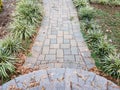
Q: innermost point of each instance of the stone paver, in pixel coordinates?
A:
(59, 42)
(60, 79)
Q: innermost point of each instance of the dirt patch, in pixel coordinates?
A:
(5, 16)
(108, 8)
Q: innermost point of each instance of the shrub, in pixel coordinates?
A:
(22, 30)
(30, 11)
(6, 66)
(86, 13)
(12, 45)
(80, 3)
(111, 66)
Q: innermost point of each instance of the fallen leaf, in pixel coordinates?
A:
(43, 88)
(79, 75)
(60, 79)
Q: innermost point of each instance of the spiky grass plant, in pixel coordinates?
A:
(111, 66)
(94, 38)
(104, 49)
(6, 64)
(12, 45)
(80, 3)
(22, 30)
(86, 13)
(29, 10)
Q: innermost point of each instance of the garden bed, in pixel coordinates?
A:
(24, 24)
(107, 2)
(100, 28)
(5, 16)
(109, 20)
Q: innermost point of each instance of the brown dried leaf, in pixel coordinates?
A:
(79, 75)
(43, 88)
(60, 79)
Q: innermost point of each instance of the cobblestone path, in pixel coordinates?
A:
(59, 42)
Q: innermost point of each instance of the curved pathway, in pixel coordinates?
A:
(59, 42)
(60, 79)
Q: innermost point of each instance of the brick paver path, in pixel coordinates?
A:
(59, 42)
(60, 45)
(60, 79)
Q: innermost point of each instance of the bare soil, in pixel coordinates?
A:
(5, 16)
(109, 8)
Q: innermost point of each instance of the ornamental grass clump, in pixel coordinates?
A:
(89, 25)
(6, 63)
(29, 10)
(104, 49)
(12, 45)
(101, 50)
(111, 66)
(80, 3)
(27, 16)
(22, 30)
(86, 13)
(93, 38)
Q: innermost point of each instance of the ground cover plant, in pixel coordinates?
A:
(102, 50)
(27, 17)
(108, 18)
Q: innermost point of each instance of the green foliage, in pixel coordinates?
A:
(109, 19)
(12, 45)
(22, 30)
(86, 13)
(94, 38)
(29, 10)
(6, 64)
(104, 49)
(89, 25)
(27, 17)
(80, 3)
(111, 66)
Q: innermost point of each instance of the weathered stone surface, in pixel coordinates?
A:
(9, 85)
(50, 57)
(60, 53)
(60, 79)
(69, 57)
